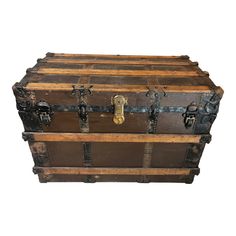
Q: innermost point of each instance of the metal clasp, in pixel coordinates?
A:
(44, 112)
(81, 94)
(190, 115)
(119, 101)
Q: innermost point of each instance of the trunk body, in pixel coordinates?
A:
(116, 118)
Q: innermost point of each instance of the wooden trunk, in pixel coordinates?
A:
(116, 118)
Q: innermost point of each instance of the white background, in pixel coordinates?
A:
(205, 30)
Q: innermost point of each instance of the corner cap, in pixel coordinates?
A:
(27, 136)
(50, 54)
(206, 73)
(219, 91)
(184, 57)
(40, 60)
(205, 138)
(195, 171)
(37, 170)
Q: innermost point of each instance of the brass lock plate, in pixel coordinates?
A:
(119, 102)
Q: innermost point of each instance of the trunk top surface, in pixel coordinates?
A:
(62, 71)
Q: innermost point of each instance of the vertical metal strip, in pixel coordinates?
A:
(81, 95)
(154, 97)
(147, 159)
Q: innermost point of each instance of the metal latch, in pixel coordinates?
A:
(83, 114)
(119, 101)
(190, 115)
(44, 112)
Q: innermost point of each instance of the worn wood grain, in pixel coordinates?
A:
(119, 88)
(62, 71)
(113, 171)
(116, 62)
(114, 56)
(114, 137)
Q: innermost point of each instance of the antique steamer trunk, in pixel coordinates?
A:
(97, 118)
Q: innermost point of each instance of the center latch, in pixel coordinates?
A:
(119, 102)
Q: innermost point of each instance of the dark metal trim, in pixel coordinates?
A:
(195, 171)
(207, 112)
(44, 112)
(37, 170)
(87, 154)
(110, 109)
(20, 91)
(27, 136)
(204, 117)
(205, 138)
(190, 115)
(184, 57)
(50, 54)
(40, 158)
(81, 93)
(153, 113)
(194, 153)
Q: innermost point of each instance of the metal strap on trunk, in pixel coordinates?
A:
(81, 94)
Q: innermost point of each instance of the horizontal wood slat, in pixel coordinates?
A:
(115, 56)
(61, 71)
(114, 171)
(117, 62)
(112, 137)
(119, 88)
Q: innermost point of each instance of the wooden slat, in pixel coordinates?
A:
(60, 71)
(114, 56)
(118, 88)
(116, 62)
(112, 137)
(114, 171)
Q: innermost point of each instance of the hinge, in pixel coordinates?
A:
(154, 109)
(81, 94)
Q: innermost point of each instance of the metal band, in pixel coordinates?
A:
(81, 94)
(110, 109)
(151, 129)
